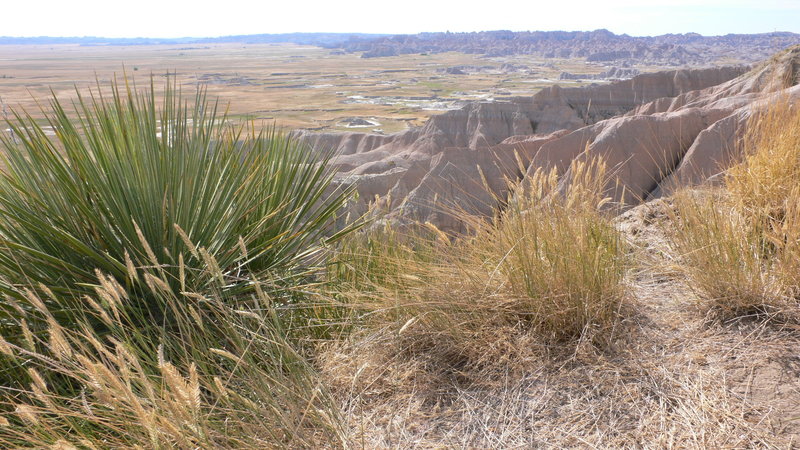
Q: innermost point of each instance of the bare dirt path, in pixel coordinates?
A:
(752, 366)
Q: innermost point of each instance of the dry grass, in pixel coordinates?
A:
(741, 244)
(558, 255)
(223, 375)
(550, 265)
(666, 380)
(765, 187)
(723, 255)
(447, 320)
(633, 400)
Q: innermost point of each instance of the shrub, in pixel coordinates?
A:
(562, 259)
(163, 185)
(723, 254)
(765, 188)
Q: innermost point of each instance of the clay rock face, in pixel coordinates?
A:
(344, 143)
(472, 181)
(679, 141)
(641, 150)
(614, 73)
(718, 146)
(482, 124)
(656, 132)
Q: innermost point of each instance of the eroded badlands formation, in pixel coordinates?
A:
(596, 46)
(657, 131)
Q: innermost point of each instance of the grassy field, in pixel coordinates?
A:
(295, 86)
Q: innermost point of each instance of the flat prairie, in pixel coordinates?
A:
(292, 85)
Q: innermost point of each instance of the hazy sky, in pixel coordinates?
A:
(176, 18)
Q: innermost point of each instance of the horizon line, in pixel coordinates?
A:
(345, 33)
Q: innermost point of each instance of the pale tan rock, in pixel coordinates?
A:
(472, 181)
(679, 141)
(655, 131)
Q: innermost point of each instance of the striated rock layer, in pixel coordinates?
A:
(657, 131)
(683, 140)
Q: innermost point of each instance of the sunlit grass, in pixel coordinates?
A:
(551, 266)
(741, 244)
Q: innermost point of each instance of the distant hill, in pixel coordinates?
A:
(320, 39)
(599, 46)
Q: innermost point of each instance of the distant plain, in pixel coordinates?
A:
(292, 85)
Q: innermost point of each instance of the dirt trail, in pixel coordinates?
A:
(754, 364)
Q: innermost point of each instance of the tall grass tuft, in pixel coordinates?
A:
(224, 377)
(723, 254)
(561, 258)
(131, 180)
(549, 267)
(741, 243)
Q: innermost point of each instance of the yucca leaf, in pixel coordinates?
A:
(123, 157)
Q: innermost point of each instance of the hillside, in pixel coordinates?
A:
(657, 131)
(319, 39)
(600, 46)
(607, 266)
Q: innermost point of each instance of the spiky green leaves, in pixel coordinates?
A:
(158, 182)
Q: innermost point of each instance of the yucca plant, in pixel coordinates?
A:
(158, 182)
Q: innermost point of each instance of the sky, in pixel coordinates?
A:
(205, 18)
